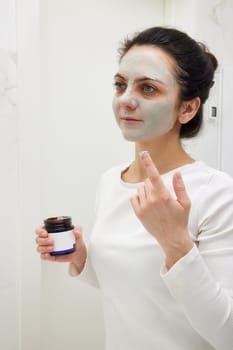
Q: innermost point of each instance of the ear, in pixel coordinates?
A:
(189, 109)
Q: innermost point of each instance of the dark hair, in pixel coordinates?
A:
(195, 66)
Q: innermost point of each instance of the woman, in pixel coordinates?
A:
(161, 252)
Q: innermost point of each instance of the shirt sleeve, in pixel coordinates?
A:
(202, 281)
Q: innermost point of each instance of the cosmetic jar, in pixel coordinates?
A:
(60, 229)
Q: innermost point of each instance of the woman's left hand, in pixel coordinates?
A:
(164, 216)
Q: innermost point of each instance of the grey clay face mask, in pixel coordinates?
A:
(155, 116)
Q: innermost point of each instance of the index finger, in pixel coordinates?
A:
(152, 171)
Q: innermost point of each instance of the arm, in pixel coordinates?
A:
(202, 282)
(200, 278)
(207, 304)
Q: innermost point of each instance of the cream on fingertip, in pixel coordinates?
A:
(144, 154)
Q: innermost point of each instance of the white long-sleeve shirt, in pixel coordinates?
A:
(189, 307)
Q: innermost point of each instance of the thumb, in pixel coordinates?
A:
(180, 191)
(78, 234)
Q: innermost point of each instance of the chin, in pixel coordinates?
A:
(142, 138)
(131, 138)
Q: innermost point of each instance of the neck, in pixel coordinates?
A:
(166, 153)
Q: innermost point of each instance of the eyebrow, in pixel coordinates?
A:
(140, 79)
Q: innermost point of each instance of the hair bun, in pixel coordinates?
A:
(213, 60)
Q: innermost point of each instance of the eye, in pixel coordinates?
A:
(119, 86)
(149, 88)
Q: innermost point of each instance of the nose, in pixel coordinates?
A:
(128, 102)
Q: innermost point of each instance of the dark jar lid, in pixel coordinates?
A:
(58, 224)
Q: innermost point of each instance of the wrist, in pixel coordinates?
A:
(79, 260)
(177, 252)
(80, 263)
(76, 268)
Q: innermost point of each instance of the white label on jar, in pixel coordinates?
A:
(63, 240)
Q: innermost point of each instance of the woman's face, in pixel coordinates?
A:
(146, 93)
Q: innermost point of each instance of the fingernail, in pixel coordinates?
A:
(144, 154)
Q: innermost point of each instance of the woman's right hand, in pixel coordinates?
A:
(45, 246)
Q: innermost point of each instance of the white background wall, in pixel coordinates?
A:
(63, 137)
(9, 241)
(29, 172)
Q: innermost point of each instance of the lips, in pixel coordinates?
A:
(130, 119)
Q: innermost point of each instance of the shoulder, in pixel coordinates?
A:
(212, 202)
(202, 177)
(217, 180)
(215, 194)
(208, 188)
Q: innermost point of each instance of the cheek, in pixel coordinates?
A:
(158, 109)
(115, 105)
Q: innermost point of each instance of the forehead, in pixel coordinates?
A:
(147, 61)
